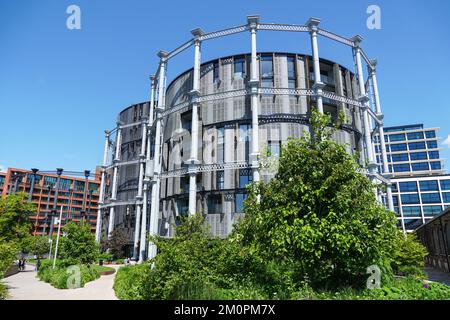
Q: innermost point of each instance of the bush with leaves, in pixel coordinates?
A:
(319, 213)
(408, 257)
(58, 277)
(79, 245)
(116, 243)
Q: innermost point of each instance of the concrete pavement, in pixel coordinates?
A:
(26, 286)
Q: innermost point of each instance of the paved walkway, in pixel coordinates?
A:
(26, 286)
(437, 275)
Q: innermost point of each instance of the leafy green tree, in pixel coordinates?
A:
(79, 245)
(408, 256)
(117, 243)
(40, 246)
(319, 214)
(14, 217)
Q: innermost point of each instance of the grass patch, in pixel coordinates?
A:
(102, 269)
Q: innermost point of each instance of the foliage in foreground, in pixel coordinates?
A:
(59, 276)
(314, 232)
(14, 228)
(79, 245)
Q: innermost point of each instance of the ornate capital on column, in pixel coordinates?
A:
(197, 33)
(312, 24)
(357, 40)
(363, 99)
(253, 22)
(194, 94)
(253, 85)
(373, 66)
(318, 86)
(107, 133)
(163, 55)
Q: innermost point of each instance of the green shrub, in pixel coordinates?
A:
(58, 277)
(3, 291)
(131, 282)
(408, 255)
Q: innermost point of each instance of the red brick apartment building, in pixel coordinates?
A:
(78, 199)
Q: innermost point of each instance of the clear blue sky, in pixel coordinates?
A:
(60, 88)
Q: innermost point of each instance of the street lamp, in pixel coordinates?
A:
(33, 180)
(47, 208)
(83, 208)
(59, 172)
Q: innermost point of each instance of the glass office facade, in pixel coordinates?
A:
(419, 183)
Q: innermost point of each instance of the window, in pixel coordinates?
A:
(408, 186)
(274, 148)
(397, 137)
(432, 144)
(220, 180)
(398, 147)
(415, 135)
(431, 210)
(436, 165)
(79, 185)
(445, 184)
(446, 197)
(400, 157)
(430, 134)
(291, 73)
(244, 132)
(245, 177)
(421, 166)
(401, 167)
(431, 197)
(416, 145)
(214, 203)
(433, 154)
(49, 181)
(220, 145)
(395, 200)
(394, 187)
(377, 149)
(64, 184)
(428, 185)
(215, 71)
(418, 156)
(239, 202)
(266, 71)
(410, 198)
(412, 211)
(239, 68)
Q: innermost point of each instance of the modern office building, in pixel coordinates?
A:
(75, 192)
(197, 143)
(420, 185)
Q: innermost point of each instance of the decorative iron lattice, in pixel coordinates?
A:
(338, 98)
(223, 95)
(287, 91)
(176, 108)
(282, 27)
(120, 164)
(138, 123)
(120, 203)
(222, 166)
(223, 33)
(173, 173)
(180, 49)
(335, 37)
(283, 117)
